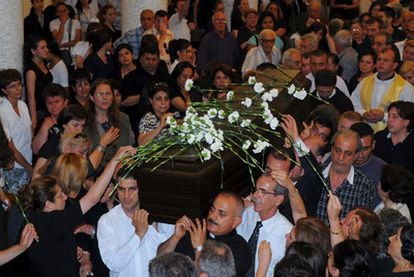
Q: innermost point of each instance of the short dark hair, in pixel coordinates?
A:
(79, 74)
(99, 38)
(293, 266)
(318, 53)
(406, 111)
(172, 264)
(7, 76)
(392, 220)
(311, 253)
(156, 87)
(325, 78)
(398, 182)
(284, 154)
(350, 256)
(325, 115)
(71, 112)
(52, 90)
(368, 52)
(363, 129)
(160, 13)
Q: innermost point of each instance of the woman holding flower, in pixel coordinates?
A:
(181, 97)
(153, 122)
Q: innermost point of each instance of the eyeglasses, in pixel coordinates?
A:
(267, 40)
(104, 93)
(264, 192)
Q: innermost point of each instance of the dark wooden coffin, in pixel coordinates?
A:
(186, 186)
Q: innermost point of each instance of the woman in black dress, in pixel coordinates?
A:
(37, 76)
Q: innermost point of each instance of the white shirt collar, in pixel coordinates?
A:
(349, 178)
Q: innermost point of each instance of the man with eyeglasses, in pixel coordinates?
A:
(263, 222)
(266, 52)
(218, 46)
(375, 92)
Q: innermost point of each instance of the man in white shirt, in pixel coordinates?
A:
(126, 242)
(266, 52)
(177, 23)
(266, 200)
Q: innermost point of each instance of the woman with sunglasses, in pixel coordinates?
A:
(153, 122)
(103, 116)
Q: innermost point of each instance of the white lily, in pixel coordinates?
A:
(300, 94)
(274, 123)
(233, 117)
(291, 89)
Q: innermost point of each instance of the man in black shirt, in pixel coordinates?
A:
(224, 216)
(326, 91)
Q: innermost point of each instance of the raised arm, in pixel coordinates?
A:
(296, 201)
(96, 191)
(181, 226)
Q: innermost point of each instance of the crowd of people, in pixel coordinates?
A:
(336, 197)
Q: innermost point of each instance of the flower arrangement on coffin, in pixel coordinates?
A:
(240, 124)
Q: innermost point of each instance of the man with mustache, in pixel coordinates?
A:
(224, 216)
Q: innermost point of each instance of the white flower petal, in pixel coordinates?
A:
(247, 102)
(291, 89)
(188, 84)
(258, 87)
(246, 144)
(274, 123)
(274, 92)
(205, 154)
(252, 80)
(300, 94)
(230, 95)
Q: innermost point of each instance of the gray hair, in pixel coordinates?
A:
(267, 31)
(312, 38)
(172, 265)
(343, 38)
(216, 260)
(349, 134)
(287, 55)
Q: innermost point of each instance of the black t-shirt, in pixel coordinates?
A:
(42, 80)
(99, 69)
(55, 253)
